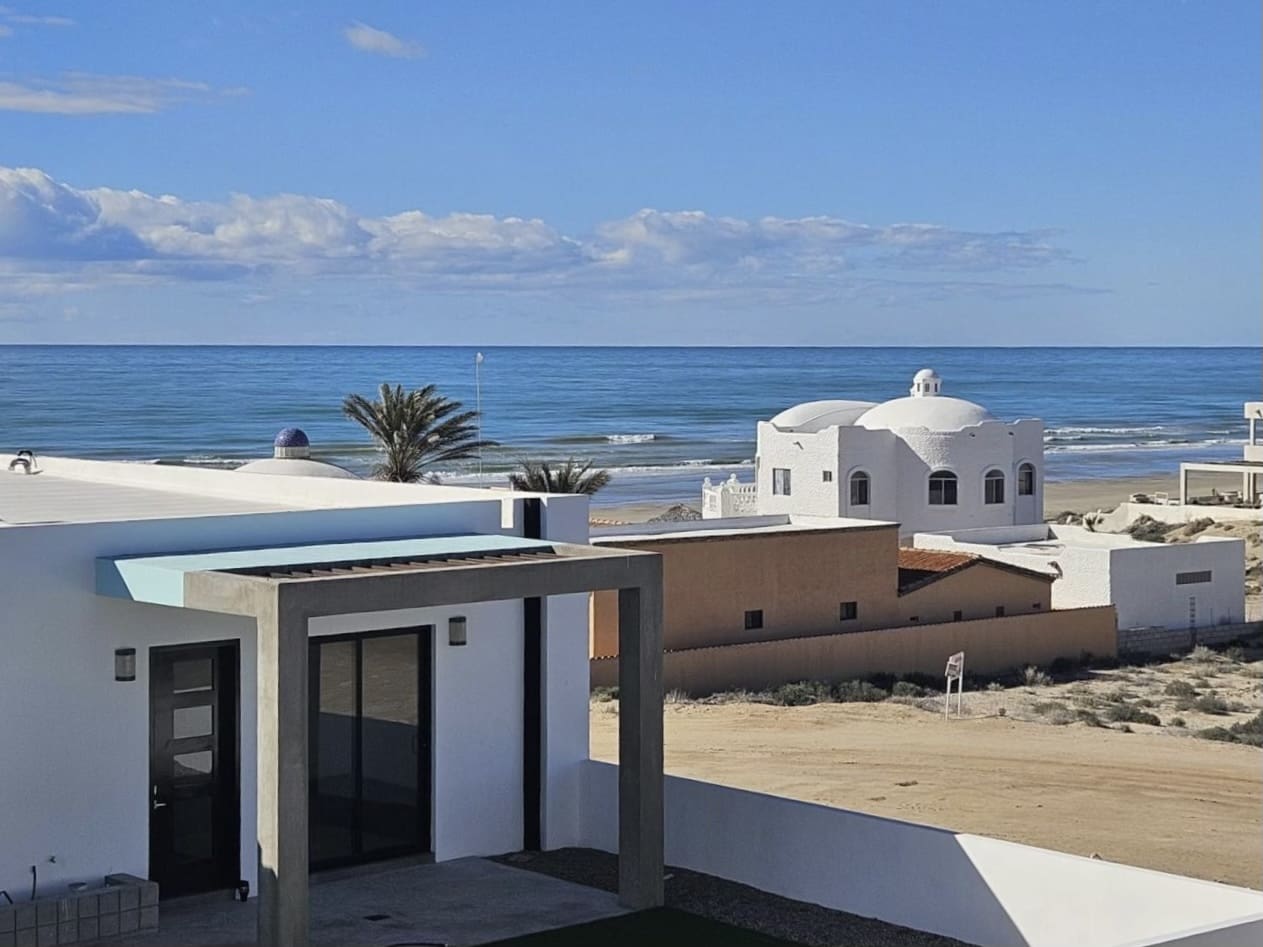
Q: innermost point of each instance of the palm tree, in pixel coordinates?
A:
(539, 476)
(414, 429)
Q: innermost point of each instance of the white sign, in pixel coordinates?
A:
(955, 665)
(955, 672)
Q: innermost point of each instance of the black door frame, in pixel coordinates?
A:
(425, 733)
(226, 871)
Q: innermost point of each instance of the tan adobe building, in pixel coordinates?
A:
(774, 577)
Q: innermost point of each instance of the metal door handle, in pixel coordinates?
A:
(156, 804)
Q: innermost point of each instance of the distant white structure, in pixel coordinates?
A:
(928, 461)
(1151, 585)
(291, 457)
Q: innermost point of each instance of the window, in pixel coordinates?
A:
(1192, 578)
(942, 488)
(826, 476)
(754, 619)
(1026, 480)
(999, 611)
(848, 611)
(1037, 605)
(859, 489)
(780, 481)
(993, 487)
(915, 618)
(958, 616)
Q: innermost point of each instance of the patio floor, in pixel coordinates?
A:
(468, 901)
(657, 926)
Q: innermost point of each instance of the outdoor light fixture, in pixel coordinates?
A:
(456, 630)
(124, 664)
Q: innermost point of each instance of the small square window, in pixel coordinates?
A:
(780, 482)
(958, 616)
(754, 619)
(826, 476)
(915, 618)
(848, 611)
(1036, 605)
(999, 611)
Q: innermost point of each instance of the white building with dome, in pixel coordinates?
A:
(928, 461)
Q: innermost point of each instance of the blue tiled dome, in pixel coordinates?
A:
(291, 437)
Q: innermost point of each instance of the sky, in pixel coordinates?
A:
(898, 172)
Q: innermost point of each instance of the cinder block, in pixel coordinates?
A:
(149, 918)
(87, 905)
(25, 937)
(107, 902)
(67, 909)
(8, 918)
(108, 925)
(128, 921)
(7, 938)
(25, 916)
(46, 912)
(148, 894)
(123, 878)
(67, 932)
(47, 935)
(129, 898)
(88, 928)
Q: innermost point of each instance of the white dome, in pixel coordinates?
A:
(936, 414)
(813, 416)
(296, 467)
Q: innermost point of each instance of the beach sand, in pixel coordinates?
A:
(1079, 496)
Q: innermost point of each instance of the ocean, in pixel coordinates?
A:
(660, 419)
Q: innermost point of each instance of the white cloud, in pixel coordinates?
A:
(49, 227)
(32, 19)
(79, 93)
(368, 39)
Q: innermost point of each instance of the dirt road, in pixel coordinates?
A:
(1176, 804)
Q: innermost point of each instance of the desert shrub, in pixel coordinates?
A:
(882, 679)
(1119, 694)
(1144, 702)
(801, 693)
(1176, 722)
(1047, 706)
(859, 692)
(1237, 707)
(1211, 704)
(1198, 526)
(603, 694)
(1148, 530)
(928, 682)
(1217, 733)
(995, 686)
(1235, 654)
(1104, 662)
(1203, 655)
(1088, 717)
(675, 696)
(1130, 713)
(1180, 689)
(907, 689)
(1034, 677)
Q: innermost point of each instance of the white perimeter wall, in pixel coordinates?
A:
(74, 743)
(980, 890)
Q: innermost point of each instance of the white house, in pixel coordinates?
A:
(927, 461)
(1152, 585)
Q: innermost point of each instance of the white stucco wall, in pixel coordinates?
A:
(74, 744)
(980, 890)
(806, 455)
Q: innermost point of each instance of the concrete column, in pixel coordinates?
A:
(1183, 485)
(640, 817)
(282, 775)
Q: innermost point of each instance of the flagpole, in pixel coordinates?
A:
(478, 397)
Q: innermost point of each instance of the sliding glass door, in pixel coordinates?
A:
(369, 746)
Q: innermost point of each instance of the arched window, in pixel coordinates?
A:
(859, 489)
(993, 487)
(942, 488)
(1026, 480)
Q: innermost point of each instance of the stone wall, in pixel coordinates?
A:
(1161, 641)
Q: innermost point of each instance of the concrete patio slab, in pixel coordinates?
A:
(467, 901)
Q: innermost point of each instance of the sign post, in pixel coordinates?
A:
(955, 672)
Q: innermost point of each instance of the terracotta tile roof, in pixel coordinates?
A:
(929, 560)
(920, 567)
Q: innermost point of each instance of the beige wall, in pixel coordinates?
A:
(798, 578)
(976, 591)
(991, 645)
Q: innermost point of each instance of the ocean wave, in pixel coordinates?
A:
(700, 466)
(1165, 444)
(630, 438)
(1105, 430)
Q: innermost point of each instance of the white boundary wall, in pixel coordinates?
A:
(980, 890)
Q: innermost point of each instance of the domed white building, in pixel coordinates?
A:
(927, 461)
(291, 457)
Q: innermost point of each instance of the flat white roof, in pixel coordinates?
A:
(729, 526)
(68, 490)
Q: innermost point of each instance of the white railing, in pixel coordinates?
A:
(731, 497)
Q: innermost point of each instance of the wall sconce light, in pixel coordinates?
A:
(124, 664)
(456, 626)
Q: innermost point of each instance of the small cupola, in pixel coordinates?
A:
(291, 443)
(926, 384)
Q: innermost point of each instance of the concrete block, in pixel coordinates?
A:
(148, 894)
(25, 937)
(25, 916)
(123, 878)
(8, 918)
(89, 929)
(128, 921)
(46, 935)
(128, 898)
(67, 932)
(108, 925)
(7, 938)
(46, 912)
(107, 902)
(87, 905)
(67, 909)
(149, 918)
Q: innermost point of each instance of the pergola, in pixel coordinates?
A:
(1250, 471)
(282, 589)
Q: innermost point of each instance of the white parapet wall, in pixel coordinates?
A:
(980, 890)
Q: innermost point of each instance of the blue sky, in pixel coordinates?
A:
(640, 173)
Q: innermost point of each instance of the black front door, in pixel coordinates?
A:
(194, 804)
(369, 751)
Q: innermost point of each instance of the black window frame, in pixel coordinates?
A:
(826, 476)
(943, 480)
(753, 619)
(989, 479)
(1026, 480)
(958, 615)
(848, 611)
(861, 479)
